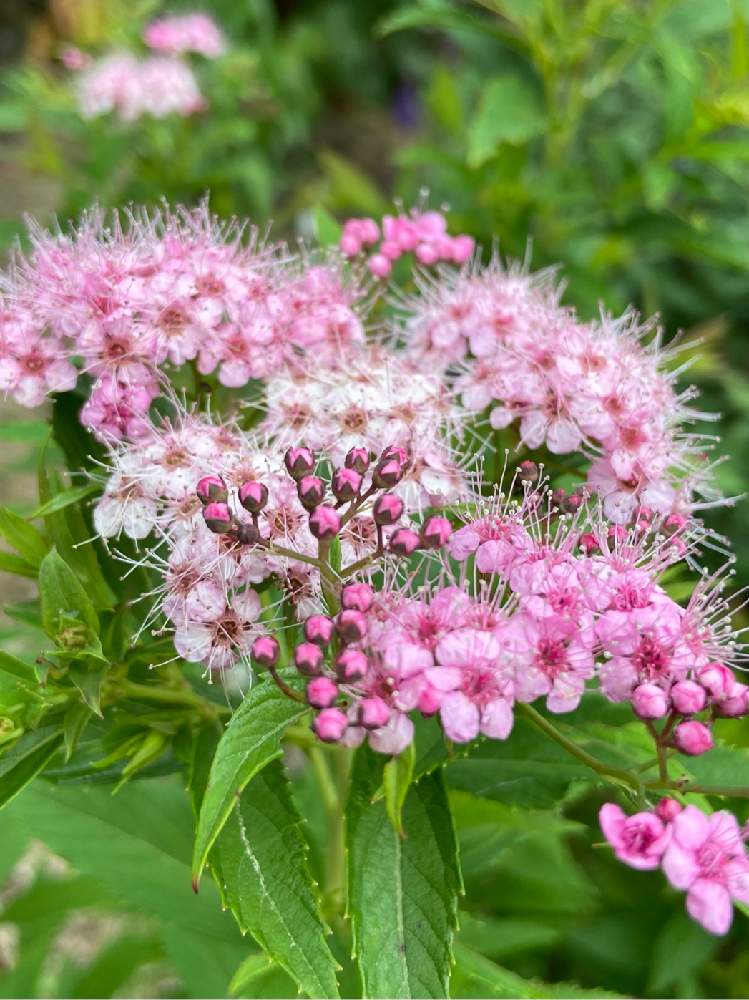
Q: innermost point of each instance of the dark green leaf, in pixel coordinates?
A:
(26, 759)
(68, 616)
(510, 110)
(396, 781)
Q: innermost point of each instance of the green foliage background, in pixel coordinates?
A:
(611, 136)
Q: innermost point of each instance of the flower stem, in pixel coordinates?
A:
(170, 696)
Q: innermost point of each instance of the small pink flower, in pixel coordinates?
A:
(318, 629)
(330, 725)
(639, 841)
(650, 701)
(404, 541)
(308, 659)
(357, 597)
(436, 532)
(373, 713)
(693, 738)
(688, 697)
(706, 857)
(265, 650)
(324, 523)
(321, 692)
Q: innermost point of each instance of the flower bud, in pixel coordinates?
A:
(247, 534)
(387, 473)
(673, 524)
(357, 597)
(346, 484)
(322, 692)
(572, 503)
(211, 488)
(324, 523)
(330, 725)
(693, 738)
(387, 509)
(649, 701)
(435, 532)
(311, 490)
(308, 659)
(667, 809)
(351, 626)
(265, 650)
(404, 542)
(461, 248)
(349, 245)
(429, 701)
(373, 713)
(717, 680)
(357, 459)
(394, 451)
(318, 629)
(218, 517)
(351, 666)
(379, 265)
(299, 462)
(529, 472)
(736, 704)
(589, 543)
(253, 496)
(688, 697)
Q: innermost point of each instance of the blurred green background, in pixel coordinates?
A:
(610, 136)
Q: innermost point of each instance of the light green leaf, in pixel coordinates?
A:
(402, 893)
(251, 740)
(256, 977)
(327, 229)
(75, 721)
(23, 537)
(396, 781)
(64, 499)
(509, 110)
(68, 616)
(16, 565)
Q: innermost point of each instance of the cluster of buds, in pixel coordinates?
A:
(713, 689)
(423, 234)
(333, 663)
(329, 505)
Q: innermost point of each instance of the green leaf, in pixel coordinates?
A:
(327, 229)
(75, 721)
(402, 893)
(724, 766)
(68, 616)
(26, 759)
(256, 977)
(396, 781)
(509, 110)
(88, 677)
(114, 965)
(23, 537)
(16, 565)
(22, 673)
(250, 742)
(350, 187)
(73, 494)
(259, 861)
(680, 949)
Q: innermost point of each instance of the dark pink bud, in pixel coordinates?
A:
(559, 496)
(387, 509)
(404, 542)
(346, 484)
(324, 523)
(211, 488)
(299, 462)
(373, 713)
(736, 704)
(318, 629)
(387, 473)
(617, 533)
(435, 532)
(717, 679)
(247, 534)
(461, 248)
(396, 452)
(529, 472)
(322, 692)
(308, 659)
(218, 517)
(265, 650)
(330, 725)
(673, 524)
(693, 738)
(351, 666)
(357, 597)
(667, 809)
(571, 504)
(351, 626)
(649, 701)
(589, 543)
(379, 265)
(429, 701)
(253, 496)
(357, 459)
(311, 491)
(688, 697)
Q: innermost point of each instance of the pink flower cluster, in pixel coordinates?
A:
(161, 291)
(193, 32)
(701, 855)
(131, 87)
(601, 387)
(424, 234)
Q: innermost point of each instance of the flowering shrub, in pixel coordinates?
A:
(384, 506)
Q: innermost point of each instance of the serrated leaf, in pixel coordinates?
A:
(26, 758)
(68, 616)
(260, 865)
(724, 767)
(402, 893)
(258, 978)
(251, 740)
(509, 110)
(23, 537)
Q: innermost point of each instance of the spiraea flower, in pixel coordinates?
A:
(193, 32)
(130, 87)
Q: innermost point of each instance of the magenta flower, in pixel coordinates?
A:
(639, 841)
(551, 658)
(706, 857)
